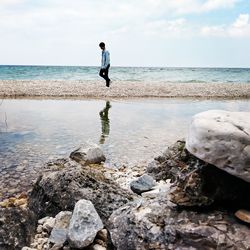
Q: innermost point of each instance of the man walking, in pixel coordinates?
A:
(104, 71)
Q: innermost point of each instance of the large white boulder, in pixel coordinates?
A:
(222, 138)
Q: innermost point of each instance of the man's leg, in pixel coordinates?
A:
(102, 73)
(107, 76)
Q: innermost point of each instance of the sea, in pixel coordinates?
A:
(136, 74)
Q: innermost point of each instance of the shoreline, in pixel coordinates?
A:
(63, 89)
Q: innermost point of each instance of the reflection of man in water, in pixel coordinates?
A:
(104, 115)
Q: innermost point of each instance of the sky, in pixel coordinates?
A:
(165, 33)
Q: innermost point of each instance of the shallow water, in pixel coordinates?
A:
(33, 132)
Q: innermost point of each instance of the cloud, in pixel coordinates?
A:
(241, 21)
(218, 4)
(166, 28)
(239, 28)
(197, 6)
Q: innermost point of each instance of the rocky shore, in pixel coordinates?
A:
(120, 89)
(193, 196)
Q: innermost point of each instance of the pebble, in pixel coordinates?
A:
(49, 224)
(243, 215)
(98, 247)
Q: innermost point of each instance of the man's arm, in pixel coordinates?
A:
(106, 59)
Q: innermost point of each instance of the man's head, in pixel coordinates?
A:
(102, 45)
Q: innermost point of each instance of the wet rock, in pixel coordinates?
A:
(222, 138)
(156, 224)
(88, 155)
(59, 232)
(197, 183)
(243, 215)
(84, 224)
(142, 184)
(17, 227)
(60, 189)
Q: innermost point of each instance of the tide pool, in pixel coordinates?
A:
(130, 132)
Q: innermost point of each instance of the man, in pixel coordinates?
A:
(105, 64)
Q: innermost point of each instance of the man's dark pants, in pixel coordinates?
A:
(105, 74)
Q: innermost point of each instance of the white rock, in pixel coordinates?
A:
(84, 224)
(49, 224)
(161, 188)
(222, 138)
(98, 247)
(42, 221)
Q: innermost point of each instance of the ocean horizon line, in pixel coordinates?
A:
(119, 66)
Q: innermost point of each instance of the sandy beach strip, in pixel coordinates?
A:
(119, 89)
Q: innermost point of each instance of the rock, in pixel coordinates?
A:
(48, 224)
(243, 215)
(156, 224)
(43, 220)
(14, 202)
(84, 224)
(196, 183)
(56, 247)
(222, 138)
(17, 227)
(160, 189)
(142, 184)
(60, 189)
(88, 155)
(103, 235)
(157, 168)
(59, 232)
(98, 247)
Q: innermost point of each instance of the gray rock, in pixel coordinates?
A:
(196, 183)
(142, 184)
(88, 155)
(222, 138)
(17, 227)
(84, 224)
(59, 232)
(156, 224)
(59, 190)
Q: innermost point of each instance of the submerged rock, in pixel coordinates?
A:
(88, 155)
(197, 183)
(84, 224)
(17, 227)
(142, 184)
(156, 224)
(60, 189)
(222, 138)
